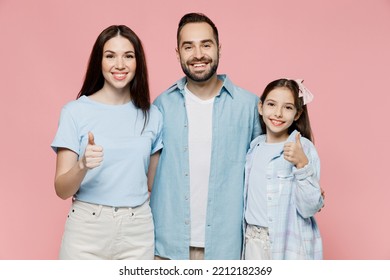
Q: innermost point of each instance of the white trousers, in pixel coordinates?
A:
(257, 243)
(94, 232)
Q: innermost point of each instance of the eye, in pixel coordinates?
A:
(109, 56)
(289, 107)
(269, 103)
(207, 45)
(130, 56)
(187, 47)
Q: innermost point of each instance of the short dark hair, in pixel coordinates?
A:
(196, 18)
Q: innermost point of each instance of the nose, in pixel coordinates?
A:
(279, 111)
(119, 63)
(198, 52)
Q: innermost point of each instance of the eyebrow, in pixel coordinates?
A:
(288, 103)
(114, 52)
(202, 41)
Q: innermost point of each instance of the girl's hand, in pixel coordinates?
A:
(93, 155)
(293, 152)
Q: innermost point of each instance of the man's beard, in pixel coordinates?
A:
(199, 77)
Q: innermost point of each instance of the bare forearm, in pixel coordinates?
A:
(71, 170)
(152, 169)
(67, 184)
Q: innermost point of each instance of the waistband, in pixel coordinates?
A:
(98, 209)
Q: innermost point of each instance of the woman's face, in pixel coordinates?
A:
(118, 63)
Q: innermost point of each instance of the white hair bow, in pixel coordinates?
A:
(304, 92)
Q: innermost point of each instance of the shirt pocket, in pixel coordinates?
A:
(284, 175)
(285, 178)
(80, 215)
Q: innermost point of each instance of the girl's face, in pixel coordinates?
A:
(278, 112)
(118, 63)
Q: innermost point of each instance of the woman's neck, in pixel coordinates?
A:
(112, 96)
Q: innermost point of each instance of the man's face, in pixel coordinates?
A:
(198, 51)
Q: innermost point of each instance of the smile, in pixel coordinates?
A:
(199, 65)
(276, 123)
(119, 76)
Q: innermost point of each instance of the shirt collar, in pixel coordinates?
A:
(291, 137)
(261, 139)
(227, 85)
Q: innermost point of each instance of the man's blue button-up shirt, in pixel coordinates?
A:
(235, 124)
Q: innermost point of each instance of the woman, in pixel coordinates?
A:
(104, 144)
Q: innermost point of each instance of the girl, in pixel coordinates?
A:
(282, 193)
(104, 144)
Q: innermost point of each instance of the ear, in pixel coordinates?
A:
(297, 116)
(260, 108)
(220, 50)
(177, 54)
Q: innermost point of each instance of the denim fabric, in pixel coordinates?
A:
(235, 125)
(293, 198)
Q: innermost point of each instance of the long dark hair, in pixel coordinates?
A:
(302, 124)
(139, 86)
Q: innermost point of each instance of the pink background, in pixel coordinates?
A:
(341, 49)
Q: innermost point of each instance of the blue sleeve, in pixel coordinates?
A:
(157, 143)
(67, 133)
(256, 126)
(308, 192)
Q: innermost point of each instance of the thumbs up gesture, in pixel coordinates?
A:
(93, 155)
(293, 152)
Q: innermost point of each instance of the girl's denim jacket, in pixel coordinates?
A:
(293, 198)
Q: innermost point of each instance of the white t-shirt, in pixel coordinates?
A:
(121, 180)
(200, 115)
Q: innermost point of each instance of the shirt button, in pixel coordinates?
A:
(185, 149)
(187, 222)
(186, 174)
(186, 197)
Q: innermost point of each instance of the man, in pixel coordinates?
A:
(197, 196)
